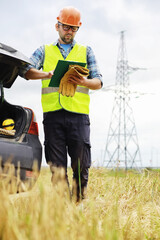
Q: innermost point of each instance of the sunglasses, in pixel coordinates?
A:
(67, 27)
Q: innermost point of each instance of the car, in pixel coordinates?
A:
(19, 143)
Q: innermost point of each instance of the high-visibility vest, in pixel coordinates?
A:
(51, 99)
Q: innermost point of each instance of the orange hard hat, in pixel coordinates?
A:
(70, 16)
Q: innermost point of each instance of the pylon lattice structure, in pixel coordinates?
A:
(122, 149)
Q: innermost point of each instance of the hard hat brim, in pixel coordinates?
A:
(69, 24)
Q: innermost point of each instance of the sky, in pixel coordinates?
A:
(26, 25)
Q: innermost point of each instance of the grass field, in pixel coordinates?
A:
(120, 205)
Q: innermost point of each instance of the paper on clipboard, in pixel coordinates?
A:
(60, 70)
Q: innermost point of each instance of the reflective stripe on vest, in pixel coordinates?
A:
(55, 89)
(51, 99)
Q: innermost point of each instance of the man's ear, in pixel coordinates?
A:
(56, 26)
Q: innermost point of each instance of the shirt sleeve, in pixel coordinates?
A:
(92, 65)
(37, 60)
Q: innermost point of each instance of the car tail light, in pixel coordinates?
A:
(33, 129)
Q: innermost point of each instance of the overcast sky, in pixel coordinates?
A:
(25, 25)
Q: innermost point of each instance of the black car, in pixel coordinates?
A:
(19, 146)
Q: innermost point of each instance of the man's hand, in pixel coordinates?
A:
(79, 80)
(50, 74)
(92, 84)
(71, 79)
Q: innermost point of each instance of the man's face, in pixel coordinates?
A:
(66, 33)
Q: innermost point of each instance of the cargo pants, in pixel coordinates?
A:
(68, 133)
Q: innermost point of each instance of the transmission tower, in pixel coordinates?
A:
(122, 149)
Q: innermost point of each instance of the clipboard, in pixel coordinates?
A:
(60, 70)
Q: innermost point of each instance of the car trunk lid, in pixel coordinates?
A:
(10, 62)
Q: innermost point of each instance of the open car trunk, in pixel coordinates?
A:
(22, 148)
(10, 62)
(17, 113)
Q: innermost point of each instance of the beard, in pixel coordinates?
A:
(67, 38)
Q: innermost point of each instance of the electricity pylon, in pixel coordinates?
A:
(122, 149)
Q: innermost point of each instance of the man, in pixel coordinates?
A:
(66, 119)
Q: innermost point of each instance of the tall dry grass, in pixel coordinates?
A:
(120, 205)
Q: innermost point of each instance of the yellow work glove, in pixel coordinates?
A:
(66, 88)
